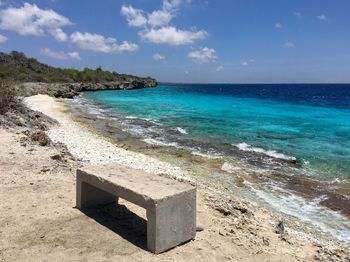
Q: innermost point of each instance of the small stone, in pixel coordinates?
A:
(56, 157)
(224, 211)
(280, 227)
(31, 184)
(266, 241)
(199, 228)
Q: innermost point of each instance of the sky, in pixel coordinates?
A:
(206, 41)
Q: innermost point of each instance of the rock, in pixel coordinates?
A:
(280, 227)
(56, 157)
(284, 237)
(199, 228)
(266, 241)
(223, 210)
(40, 137)
(45, 169)
(241, 209)
(26, 132)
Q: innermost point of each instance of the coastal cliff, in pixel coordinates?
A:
(33, 77)
(69, 90)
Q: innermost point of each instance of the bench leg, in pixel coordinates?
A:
(90, 196)
(171, 222)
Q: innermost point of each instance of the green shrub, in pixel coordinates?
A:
(7, 97)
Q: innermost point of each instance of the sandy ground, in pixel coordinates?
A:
(39, 221)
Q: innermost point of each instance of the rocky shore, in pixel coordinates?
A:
(69, 90)
(35, 77)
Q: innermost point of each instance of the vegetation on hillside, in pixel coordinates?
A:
(16, 66)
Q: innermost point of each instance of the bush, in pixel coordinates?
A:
(7, 97)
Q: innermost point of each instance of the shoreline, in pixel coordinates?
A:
(234, 228)
(225, 172)
(70, 124)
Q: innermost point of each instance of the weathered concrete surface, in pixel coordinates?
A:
(170, 205)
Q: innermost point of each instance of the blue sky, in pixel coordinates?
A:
(235, 41)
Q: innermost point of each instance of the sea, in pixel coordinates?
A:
(285, 146)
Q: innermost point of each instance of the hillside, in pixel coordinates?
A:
(16, 66)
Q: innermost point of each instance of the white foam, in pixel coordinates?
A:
(208, 155)
(153, 141)
(136, 130)
(311, 212)
(270, 153)
(181, 130)
(227, 167)
(131, 117)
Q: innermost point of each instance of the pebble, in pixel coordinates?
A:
(199, 228)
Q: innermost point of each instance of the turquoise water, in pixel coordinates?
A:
(290, 143)
(316, 135)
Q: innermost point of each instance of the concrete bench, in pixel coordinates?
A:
(170, 205)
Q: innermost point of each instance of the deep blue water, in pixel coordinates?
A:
(308, 122)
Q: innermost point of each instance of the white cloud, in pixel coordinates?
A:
(159, 18)
(60, 54)
(3, 39)
(322, 17)
(99, 43)
(158, 57)
(297, 14)
(74, 55)
(31, 20)
(203, 55)
(59, 35)
(172, 4)
(219, 68)
(247, 62)
(134, 16)
(156, 25)
(187, 72)
(172, 36)
(278, 25)
(288, 45)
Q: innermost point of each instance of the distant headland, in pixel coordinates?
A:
(34, 77)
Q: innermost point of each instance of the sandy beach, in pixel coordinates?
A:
(40, 222)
